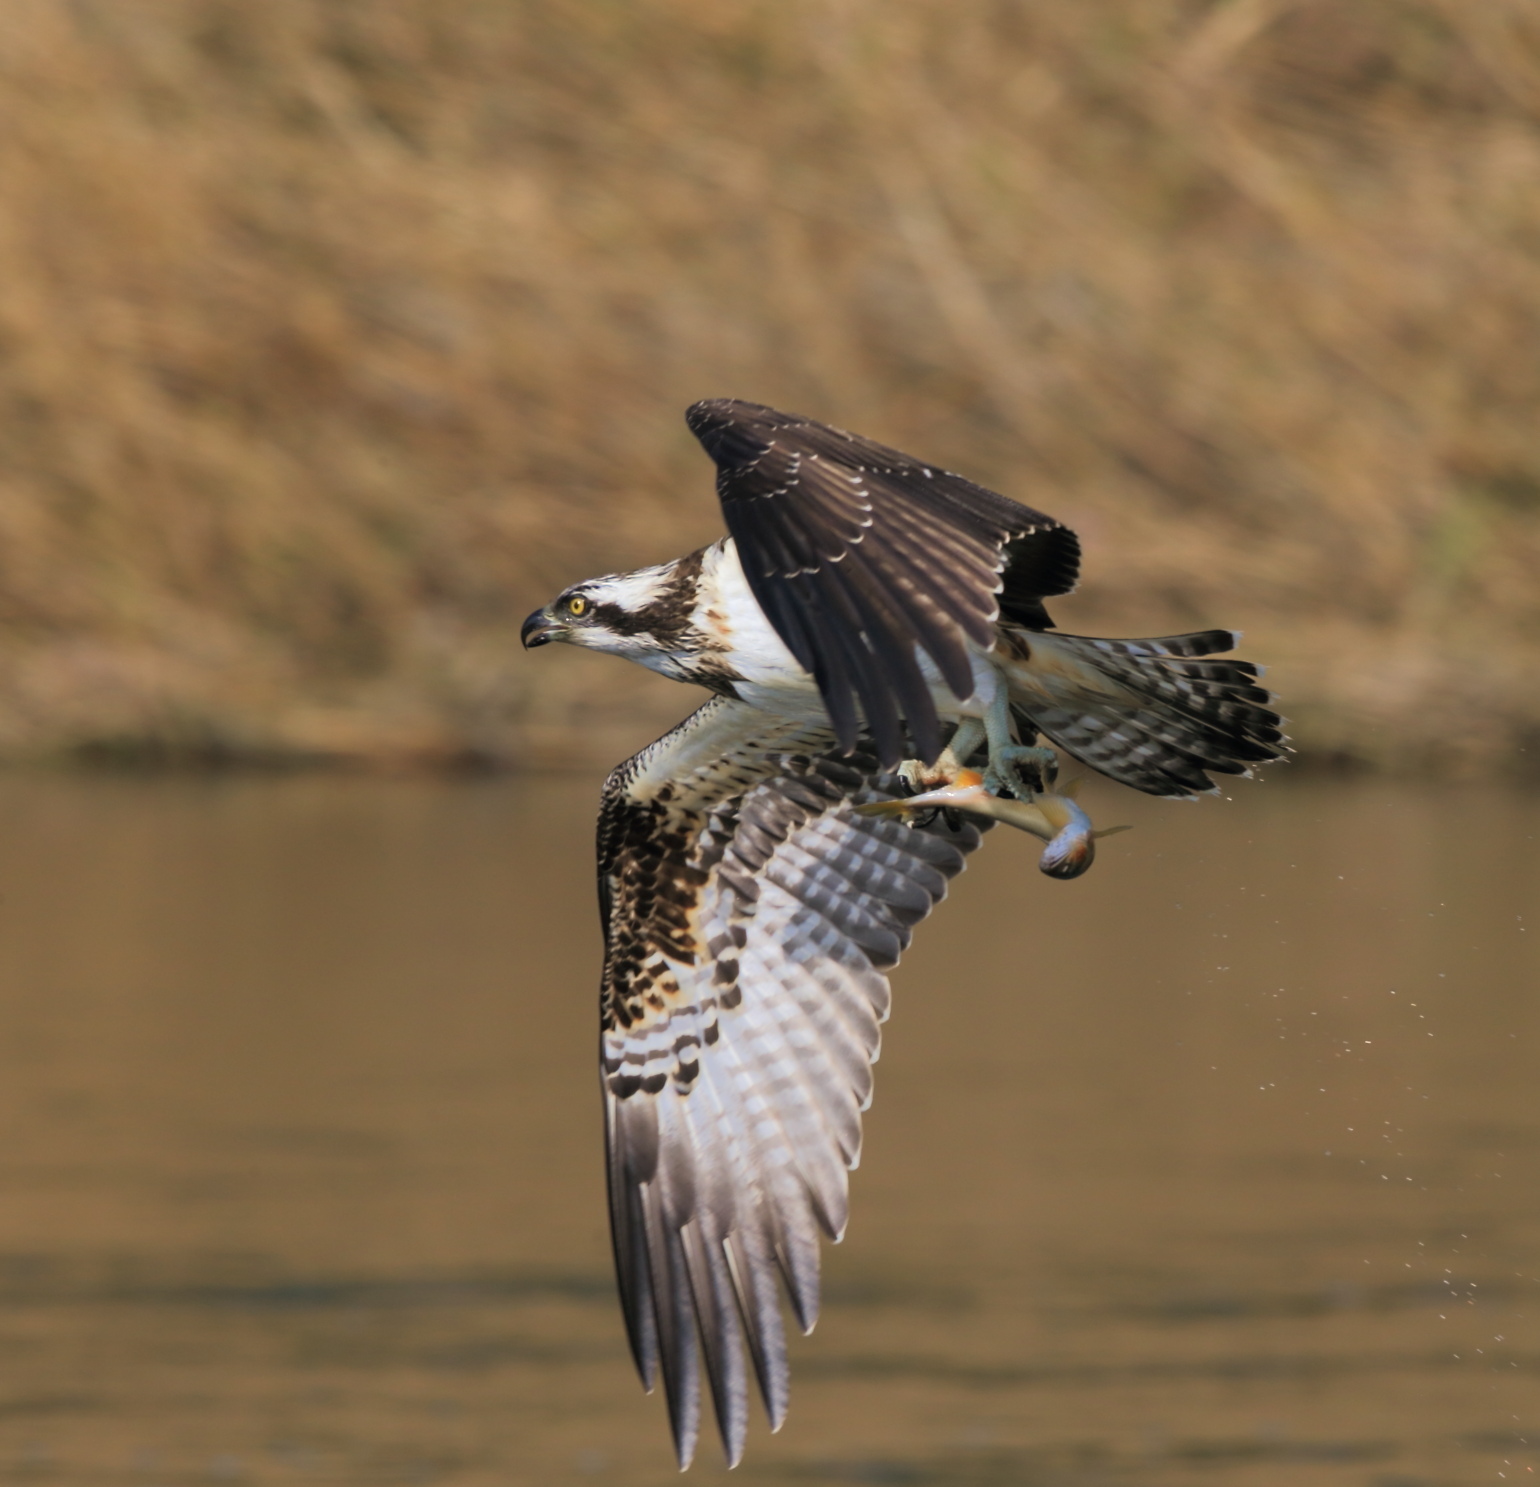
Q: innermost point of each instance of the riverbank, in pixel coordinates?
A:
(335, 339)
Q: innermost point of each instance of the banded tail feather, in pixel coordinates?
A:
(1157, 714)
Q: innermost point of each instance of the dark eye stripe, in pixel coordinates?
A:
(621, 621)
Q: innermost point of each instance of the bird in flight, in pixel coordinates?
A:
(883, 675)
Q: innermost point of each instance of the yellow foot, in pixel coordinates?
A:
(918, 775)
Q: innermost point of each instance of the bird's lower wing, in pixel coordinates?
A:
(751, 917)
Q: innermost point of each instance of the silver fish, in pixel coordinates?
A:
(1051, 817)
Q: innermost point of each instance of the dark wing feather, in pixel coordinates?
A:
(1037, 567)
(750, 915)
(858, 553)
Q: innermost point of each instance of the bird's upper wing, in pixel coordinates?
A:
(858, 553)
(749, 917)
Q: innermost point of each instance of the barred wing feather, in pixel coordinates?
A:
(858, 554)
(750, 917)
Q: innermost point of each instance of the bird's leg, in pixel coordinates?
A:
(1015, 769)
(965, 744)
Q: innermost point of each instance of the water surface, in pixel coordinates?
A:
(1219, 1165)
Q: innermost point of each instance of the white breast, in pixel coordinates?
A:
(730, 614)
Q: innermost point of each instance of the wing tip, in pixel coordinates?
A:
(731, 430)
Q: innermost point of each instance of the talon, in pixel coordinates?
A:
(919, 776)
(1022, 770)
(1015, 769)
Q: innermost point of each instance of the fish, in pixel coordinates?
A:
(1052, 817)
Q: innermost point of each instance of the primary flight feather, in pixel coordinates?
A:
(870, 625)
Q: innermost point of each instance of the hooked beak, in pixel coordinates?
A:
(539, 629)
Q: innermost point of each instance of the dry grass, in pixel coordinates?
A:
(337, 335)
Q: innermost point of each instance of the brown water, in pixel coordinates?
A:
(1220, 1165)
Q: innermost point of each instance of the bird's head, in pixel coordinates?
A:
(643, 616)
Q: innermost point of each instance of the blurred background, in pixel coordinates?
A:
(336, 335)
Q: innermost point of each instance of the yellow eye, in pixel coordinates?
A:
(576, 605)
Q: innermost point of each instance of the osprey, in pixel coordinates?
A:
(870, 626)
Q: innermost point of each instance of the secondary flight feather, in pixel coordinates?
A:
(887, 684)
